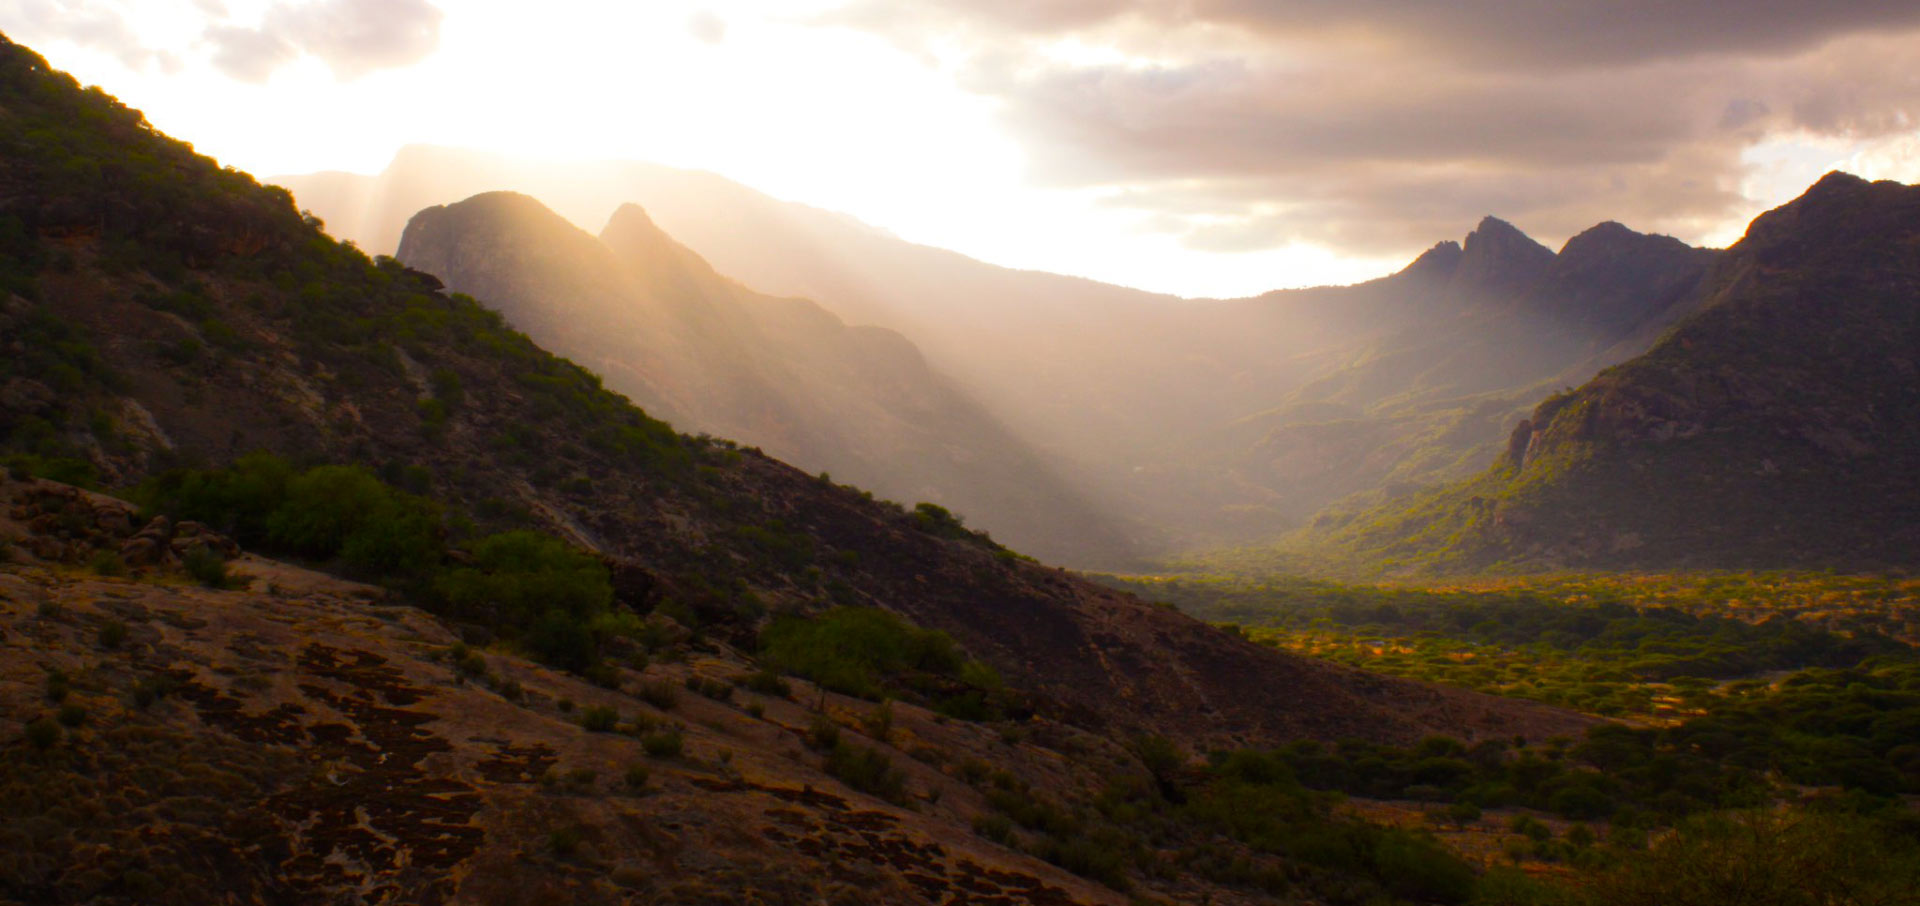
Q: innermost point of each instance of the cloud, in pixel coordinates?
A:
(1379, 126)
(353, 37)
(1527, 33)
(707, 27)
(85, 23)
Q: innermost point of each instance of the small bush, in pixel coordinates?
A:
(599, 719)
(113, 634)
(994, 826)
(663, 744)
(767, 682)
(603, 674)
(660, 695)
(879, 722)
(637, 774)
(869, 771)
(711, 688)
(207, 567)
(565, 841)
(824, 734)
(107, 563)
(72, 715)
(43, 733)
(467, 661)
(857, 650)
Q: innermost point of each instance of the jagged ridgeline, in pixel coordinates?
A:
(1779, 426)
(166, 312)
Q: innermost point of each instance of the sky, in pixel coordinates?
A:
(1198, 147)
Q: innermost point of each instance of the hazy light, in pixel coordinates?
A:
(831, 117)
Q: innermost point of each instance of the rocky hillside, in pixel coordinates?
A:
(356, 750)
(662, 327)
(1774, 427)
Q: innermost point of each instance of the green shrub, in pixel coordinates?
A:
(207, 567)
(112, 634)
(602, 674)
(867, 770)
(560, 640)
(824, 734)
(939, 521)
(324, 506)
(107, 563)
(856, 650)
(767, 682)
(659, 694)
(1416, 868)
(599, 719)
(663, 744)
(711, 688)
(565, 841)
(519, 577)
(42, 733)
(72, 715)
(466, 660)
(994, 826)
(637, 774)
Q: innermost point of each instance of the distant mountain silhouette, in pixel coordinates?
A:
(660, 325)
(1210, 421)
(1777, 425)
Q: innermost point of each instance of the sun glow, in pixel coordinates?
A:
(758, 91)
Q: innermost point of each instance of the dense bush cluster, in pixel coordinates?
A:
(1240, 819)
(537, 590)
(870, 653)
(1623, 645)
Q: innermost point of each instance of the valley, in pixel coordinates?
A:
(399, 539)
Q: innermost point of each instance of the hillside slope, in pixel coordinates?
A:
(1778, 426)
(662, 327)
(355, 758)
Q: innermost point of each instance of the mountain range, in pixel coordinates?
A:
(1773, 427)
(1195, 422)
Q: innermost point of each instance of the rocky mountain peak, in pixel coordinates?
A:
(647, 249)
(1497, 257)
(1437, 263)
(1839, 211)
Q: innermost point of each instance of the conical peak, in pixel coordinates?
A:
(1497, 256)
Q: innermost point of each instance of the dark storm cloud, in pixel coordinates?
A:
(1532, 33)
(353, 37)
(1377, 127)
